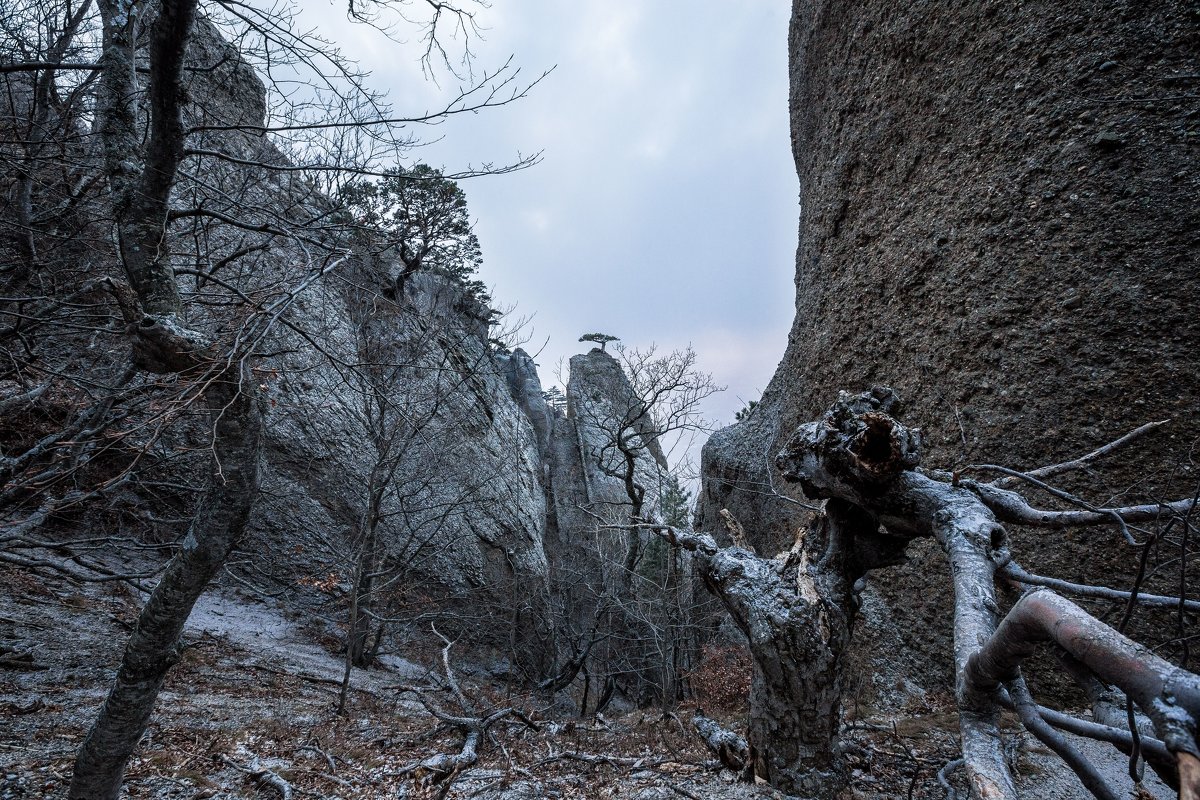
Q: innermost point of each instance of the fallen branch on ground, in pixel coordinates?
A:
(473, 725)
(261, 776)
(726, 745)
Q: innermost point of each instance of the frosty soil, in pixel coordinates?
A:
(254, 689)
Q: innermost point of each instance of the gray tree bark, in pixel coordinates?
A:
(797, 617)
(141, 190)
(154, 645)
(140, 195)
(864, 464)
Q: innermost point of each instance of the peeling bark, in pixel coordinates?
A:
(797, 617)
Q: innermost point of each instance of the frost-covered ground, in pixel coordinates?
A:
(255, 691)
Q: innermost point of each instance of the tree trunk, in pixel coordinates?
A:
(358, 634)
(154, 645)
(797, 620)
(141, 191)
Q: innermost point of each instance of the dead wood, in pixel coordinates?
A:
(864, 463)
(632, 762)
(731, 749)
(1168, 695)
(259, 775)
(442, 767)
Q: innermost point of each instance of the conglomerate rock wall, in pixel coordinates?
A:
(999, 219)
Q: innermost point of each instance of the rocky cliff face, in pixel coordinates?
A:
(585, 467)
(388, 378)
(466, 507)
(371, 380)
(998, 219)
(604, 408)
(615, 592)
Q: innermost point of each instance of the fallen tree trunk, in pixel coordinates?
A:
(731, 749)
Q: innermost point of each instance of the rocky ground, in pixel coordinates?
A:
(253, 700)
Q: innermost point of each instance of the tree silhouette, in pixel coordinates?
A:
(601, 339)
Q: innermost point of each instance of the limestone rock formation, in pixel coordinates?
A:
(466, 510)
(603, 404)
(594, 559)
(520, 372)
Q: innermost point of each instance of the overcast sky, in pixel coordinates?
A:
(665, 207)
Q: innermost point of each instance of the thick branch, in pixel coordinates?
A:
(1020, 575)
(731, 749)
(1168, 695)
(1033, 721)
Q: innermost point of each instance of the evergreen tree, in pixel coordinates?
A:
(423, 215)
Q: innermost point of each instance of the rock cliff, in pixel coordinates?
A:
(387, 400)
(587, 471)
(376, 379)
(620, 599)
(998, 219)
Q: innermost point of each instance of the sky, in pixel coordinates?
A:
(665, 206)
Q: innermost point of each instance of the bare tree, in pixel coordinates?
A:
(113, 166)
(633, 618)
(415, 369)
(798, 620)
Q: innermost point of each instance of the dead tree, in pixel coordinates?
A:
(797, 617)
(798, 613)
(468, 720)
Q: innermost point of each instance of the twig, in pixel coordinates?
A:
(1017, 573)
(943, 778)
(684, 792)
(1083, 461)
(328, 758)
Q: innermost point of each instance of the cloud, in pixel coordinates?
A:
(538, 219)
(603, 41)
(666, 205)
